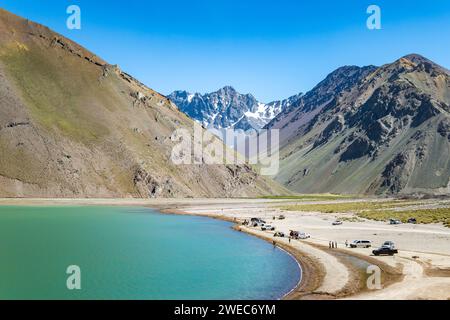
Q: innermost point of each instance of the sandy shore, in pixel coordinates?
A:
(421, 270)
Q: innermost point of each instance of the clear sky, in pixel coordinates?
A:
(270, 48)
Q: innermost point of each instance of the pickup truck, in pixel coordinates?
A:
(385, 250)
(389, 244)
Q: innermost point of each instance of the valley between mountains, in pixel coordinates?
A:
(73, 125)
(362, 130)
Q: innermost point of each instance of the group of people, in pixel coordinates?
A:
(333, 245)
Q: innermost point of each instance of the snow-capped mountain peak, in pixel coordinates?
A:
(228, 109)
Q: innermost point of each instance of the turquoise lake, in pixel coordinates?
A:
(135, 253)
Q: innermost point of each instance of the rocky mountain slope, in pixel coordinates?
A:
(229, 109)
(292, 119)
(72, 125)
(370, 130)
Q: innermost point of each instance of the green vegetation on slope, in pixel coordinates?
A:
(54, 98)
(380, 211)
(18, 164)
(425, 216)
(348, 206)
(312, 197)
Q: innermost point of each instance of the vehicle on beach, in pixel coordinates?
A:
(361, 244)
(389, 244)
(385, 251)
(412, 220)
(281, 217)
(294, 234)
(299, 235)
(267, 227)
(303, 236)
(279, 234)
(337, 223)
(257, 222)
(394, 221)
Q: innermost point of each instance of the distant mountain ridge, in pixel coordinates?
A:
(372, 130)
(310, 104)
(228, 109)
(71, 125)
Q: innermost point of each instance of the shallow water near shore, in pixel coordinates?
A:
(135, 253)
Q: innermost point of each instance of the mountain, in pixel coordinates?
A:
(72, 125)
(291, 119)
(370, 130)
(229, 109)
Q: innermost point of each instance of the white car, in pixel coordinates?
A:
(337, 223)
(361, 244)
(267, 227)
(303, 236)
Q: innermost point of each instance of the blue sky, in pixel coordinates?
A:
(272, 49)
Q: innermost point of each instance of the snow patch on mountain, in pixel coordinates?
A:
(229, 109)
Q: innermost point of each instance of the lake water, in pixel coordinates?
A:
(135, 253)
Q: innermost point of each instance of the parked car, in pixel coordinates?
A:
(361, 244)
(389, 244)
(412, 220)
(267, 227)
(299, 235)
(257, 222)
(337, 223)
(394, 221)
(385, 250)
(281, 217)
(279, 234)
(303, 236)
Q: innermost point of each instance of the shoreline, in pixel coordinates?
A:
(312, 272)
(337, 273)
(421, 270)
(305, 277)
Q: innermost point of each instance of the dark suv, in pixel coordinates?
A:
(385, 250)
